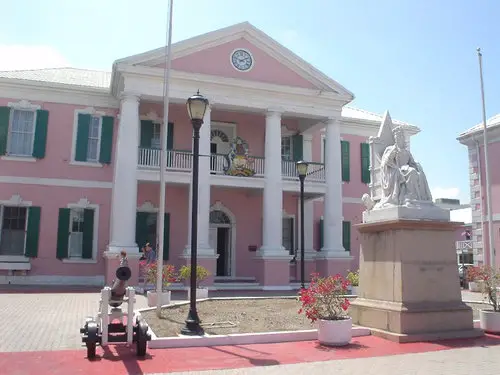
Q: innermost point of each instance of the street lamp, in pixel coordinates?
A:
(302, 172)
(196, 106)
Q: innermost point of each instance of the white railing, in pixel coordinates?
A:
(181, 161)
(463, 245)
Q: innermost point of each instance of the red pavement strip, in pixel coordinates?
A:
(122, 360)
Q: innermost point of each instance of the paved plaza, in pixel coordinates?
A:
(49, 322)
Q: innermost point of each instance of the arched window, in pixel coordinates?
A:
(219, 217)
(216, 133)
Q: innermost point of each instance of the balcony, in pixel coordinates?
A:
(181, 161)
(464, 246)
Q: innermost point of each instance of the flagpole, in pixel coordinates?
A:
(163, 162)
(486, 166)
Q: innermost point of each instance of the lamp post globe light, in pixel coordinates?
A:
(302, 167)
(196, 107)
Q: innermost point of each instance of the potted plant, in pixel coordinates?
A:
(353, 278)
(169, 276)
(474, 275)
(324, 301)
(201, 274)
(489, 319)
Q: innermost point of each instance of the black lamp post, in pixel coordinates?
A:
(196, 106)
(302, 172)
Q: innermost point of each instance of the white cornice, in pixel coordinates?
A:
(477, 136)
(56, 93)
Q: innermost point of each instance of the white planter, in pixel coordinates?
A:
(335, 332)
(489, 321)
(153, 298)
(201, 293)
(474, 286)
(354, 290)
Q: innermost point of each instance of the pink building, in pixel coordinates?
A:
(80, 165)
(473, 139)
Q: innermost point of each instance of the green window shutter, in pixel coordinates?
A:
(41, 127)
(33, 232)
(321, 231)
(166, 237)
(365, 163)
(88, 233)
(63, 233)
(4, 129)
(297, 147)
(146, 133)
(106, 139)
(346, 235)
(82, 137)
(170, 136)
(141, 229)
(346, 173)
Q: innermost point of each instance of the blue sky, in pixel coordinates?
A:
(415, 58)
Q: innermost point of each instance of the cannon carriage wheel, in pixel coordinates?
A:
(91, 348)
(142, 338)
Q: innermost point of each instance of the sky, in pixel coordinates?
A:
(416, 59)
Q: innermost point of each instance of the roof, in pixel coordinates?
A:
(67, 76)
(101, 79)
(361, 114)
(491, 123)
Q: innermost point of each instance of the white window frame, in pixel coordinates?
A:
(15, 201)
(156, 131)
(85, 204)
(98, 151)
(22, 105)
(94, 113)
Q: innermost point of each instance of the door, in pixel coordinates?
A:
(213, 158)
(222, 251)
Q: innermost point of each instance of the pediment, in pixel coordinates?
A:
(210, 54)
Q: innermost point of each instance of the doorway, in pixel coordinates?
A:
(222, 242)
(213, 158)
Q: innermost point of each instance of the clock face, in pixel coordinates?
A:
(242, 60)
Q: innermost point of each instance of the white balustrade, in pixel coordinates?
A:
(181, 161)
(463, 245)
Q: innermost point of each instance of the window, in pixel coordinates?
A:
(12, 237)
(287, 235)
(21, 133)
(286, 148)
(76, 233)
(76, 237)
(94, 138)
(156, 137)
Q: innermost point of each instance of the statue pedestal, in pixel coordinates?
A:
(409, 282)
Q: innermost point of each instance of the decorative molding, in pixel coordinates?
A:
(62, 182)
(84, 203)
(16, 200)
(24, 105)
(285, 132)
(147, 206)
(219, 206)
(152, 116)
(91, 111)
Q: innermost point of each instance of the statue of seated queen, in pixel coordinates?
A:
(397, 179)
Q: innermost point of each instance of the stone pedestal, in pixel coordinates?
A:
(274, 272)
(409, 283)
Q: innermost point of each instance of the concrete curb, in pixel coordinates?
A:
(237, 338)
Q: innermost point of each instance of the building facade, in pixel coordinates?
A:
(80, 165)
(473, 139)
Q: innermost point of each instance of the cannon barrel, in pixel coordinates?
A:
(119, 285)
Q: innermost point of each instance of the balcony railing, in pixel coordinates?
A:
(178, 160)
(465, 246)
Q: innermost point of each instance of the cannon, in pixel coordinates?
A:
(109, 326)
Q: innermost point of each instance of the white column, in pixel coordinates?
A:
(308, 204)
(203, 192)
(332, 216)
(124, 194)
(273, 189)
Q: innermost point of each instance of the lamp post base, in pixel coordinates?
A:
(192, 327)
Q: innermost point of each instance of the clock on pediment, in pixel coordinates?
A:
(242, 59)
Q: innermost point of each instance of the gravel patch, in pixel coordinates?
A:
(222, 317)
